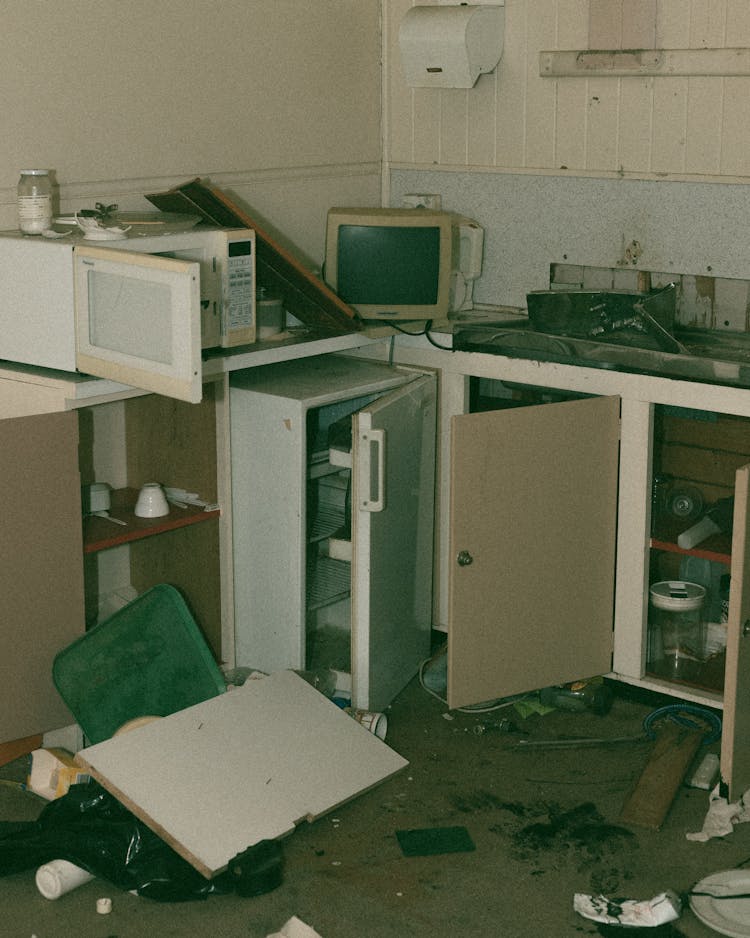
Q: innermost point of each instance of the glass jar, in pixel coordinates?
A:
(34, 193)
(677, 635)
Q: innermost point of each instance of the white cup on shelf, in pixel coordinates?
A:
(152, 502)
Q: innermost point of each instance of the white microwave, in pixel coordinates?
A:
(137, 311)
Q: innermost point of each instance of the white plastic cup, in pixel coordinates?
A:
(152, 502)
(57, 877)
(375, 723)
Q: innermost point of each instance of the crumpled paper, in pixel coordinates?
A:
(665, 907)
(722, 816)
(295, 928)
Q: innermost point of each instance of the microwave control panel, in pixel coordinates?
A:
(238, 326)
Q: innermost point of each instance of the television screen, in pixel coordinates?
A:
(388, 265)
(392, 263)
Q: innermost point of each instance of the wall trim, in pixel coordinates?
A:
(566, 173)
(115, 188)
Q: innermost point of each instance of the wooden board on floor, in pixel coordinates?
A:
(219, 777)
(671, 756)
(16, 748)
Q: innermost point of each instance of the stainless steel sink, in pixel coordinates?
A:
(713, 357)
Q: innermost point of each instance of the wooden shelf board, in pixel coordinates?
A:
(101, 533)
(718, 547)
(720, 556)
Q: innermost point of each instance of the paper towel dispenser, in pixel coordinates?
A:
(451, 46)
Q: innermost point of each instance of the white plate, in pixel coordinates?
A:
(158, 221)
(149, 222)
(105, 234)
(726, 916)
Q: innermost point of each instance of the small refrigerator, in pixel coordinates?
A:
(333, 503)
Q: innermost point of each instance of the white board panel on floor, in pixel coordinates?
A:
(225, 774)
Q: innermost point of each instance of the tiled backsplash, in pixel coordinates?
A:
(702, 302)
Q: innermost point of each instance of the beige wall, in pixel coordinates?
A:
(122, 97)
(515, 120)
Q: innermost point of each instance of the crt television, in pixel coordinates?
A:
(402, 263)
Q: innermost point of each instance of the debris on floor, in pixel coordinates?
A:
(257, 870)
(149, 658)
(720, 901)
(593, 694)
(218, 777)
(722, 816)
(431, 841)
(707, 773)
(665, 907)
(52, 771)
(58, 877)
(295, 928)
(210, 780)
(670, 758)
(678, 732)
(90, 829)
(193, 803)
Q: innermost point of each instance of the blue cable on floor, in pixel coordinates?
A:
(681, 714)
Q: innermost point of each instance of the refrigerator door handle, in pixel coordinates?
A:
(372, 471)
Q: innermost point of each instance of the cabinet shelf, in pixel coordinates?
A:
(718, 547)
(102, 533)
(329, 581)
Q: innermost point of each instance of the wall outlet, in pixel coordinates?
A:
(422, 200)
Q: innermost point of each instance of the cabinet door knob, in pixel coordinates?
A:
(464, 558)
(746, 628)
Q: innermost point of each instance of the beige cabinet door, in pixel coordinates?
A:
(735, 751)
(41, 567)
(532, 547)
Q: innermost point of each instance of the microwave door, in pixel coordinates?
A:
(138, 320)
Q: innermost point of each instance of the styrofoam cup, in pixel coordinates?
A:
(57, 877)
(375, 723)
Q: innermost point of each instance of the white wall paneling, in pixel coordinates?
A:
(694, 125)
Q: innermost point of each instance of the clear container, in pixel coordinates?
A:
(677, 630)
(34, 193)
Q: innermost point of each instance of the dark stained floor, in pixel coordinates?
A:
(543, 823)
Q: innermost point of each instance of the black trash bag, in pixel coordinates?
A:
(89, 827)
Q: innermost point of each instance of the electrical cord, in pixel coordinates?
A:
(489, 709)
(444, 348)
(425, 331)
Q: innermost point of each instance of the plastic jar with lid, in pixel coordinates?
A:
(34, 193)
(677, 636)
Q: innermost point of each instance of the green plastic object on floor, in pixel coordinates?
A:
(148, 659)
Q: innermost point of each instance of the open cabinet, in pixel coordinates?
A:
(333, 463)
(700, 463)
(552, 551)
(57, 564)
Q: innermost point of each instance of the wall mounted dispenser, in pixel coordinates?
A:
(451, 46)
